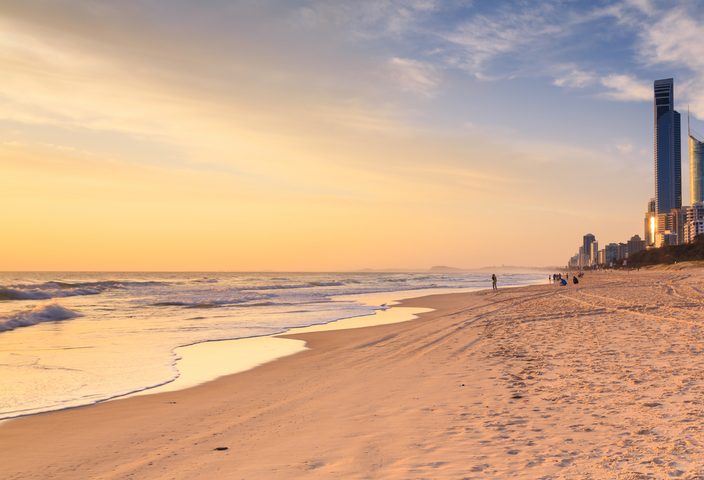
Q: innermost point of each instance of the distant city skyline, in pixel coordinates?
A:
(667, 222)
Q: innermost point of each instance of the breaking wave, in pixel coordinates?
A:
(57, 289)
(43, 313)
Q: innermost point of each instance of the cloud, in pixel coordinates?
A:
(573, 77)
(645, 6)
(484, 38)
(625, 148)
(365, 18)
(415, 76)
(664, 40)
(626, 88)
(675, 41)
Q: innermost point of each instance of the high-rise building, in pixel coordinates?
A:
(622, 251)
(594, 254)
(611, 254)
(667, 149)
(650, 223)
(695, 211)
(582, 259)
(692, 230)
(587, 241)
(693, 222)
(696, 167)
(635, 245)
(678, 218)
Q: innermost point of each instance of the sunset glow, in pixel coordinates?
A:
(259, 135)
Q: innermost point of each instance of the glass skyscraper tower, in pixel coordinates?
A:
(696, 167)
(668, 155)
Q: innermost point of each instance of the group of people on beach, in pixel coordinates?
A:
(561, 280)
(556, 278)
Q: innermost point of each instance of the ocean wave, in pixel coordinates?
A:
(288, 286)
(326, 284)
(292, 286)
(216, 304)
(101, 284)
(16, 294)
(7, 293)
(42, 313)
(59, 289)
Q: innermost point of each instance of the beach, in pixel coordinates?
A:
(598, 380)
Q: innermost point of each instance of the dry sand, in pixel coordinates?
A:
(600, 381)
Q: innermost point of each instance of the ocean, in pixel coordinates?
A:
(71, 339)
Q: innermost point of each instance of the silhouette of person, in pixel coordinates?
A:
(493, 282)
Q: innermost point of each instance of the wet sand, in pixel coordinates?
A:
(599, 381)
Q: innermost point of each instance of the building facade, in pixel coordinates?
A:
(667, 149)
(696, 169)
(587, 241)
(594, 254)
(611, 254)
(678, 219)
(693, 229)
(635, 245)
(650, 224)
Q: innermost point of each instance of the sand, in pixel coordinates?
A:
(599, 381)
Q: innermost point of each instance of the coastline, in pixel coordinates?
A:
(203, 361)
(598, 381)
(207, 361)
(80, 430)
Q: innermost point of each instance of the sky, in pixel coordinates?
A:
(331, 135)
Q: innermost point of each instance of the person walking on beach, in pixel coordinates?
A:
(493, 282)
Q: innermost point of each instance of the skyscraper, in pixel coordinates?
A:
(587, 241)
(650, 223)
(668, 157)
(696, 167)
(594, 254)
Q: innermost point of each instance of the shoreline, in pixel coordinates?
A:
(195, 364)
(595, 381)
(68, 419)
(205, 361)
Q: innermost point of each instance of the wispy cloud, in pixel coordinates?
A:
(572, 76)
(626, 88)
(366, 18)
(675, 41)
(625, 148)
(645, 6)
(484, 38)
(415, 76)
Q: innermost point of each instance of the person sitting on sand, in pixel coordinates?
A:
(563, 282)
(574, 279)
(493, 282)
